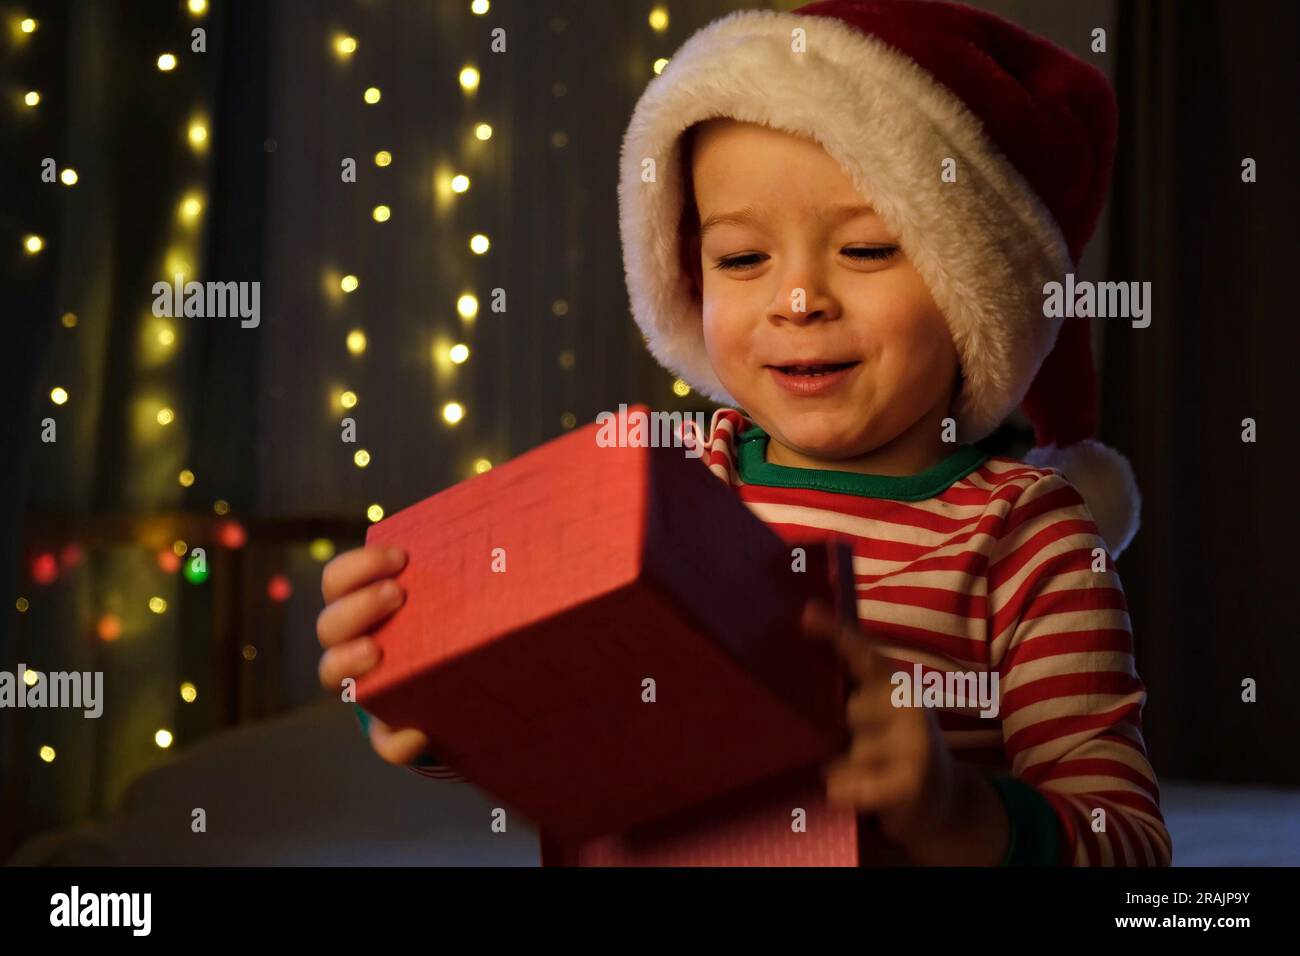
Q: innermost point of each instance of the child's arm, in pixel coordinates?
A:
(1071, 698)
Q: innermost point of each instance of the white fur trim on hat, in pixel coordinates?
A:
(1104, 478)
(984, 245)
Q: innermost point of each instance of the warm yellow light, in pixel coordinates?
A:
(221, 506)
(345, 46)
(458, 353)
(659, 65)
(22, 605)
(356, 341)
(198, 134)
(30, 678)
(659, 19)
(372, 95)
(179, 548)
(191, 207)
(157, 604)
(375, 513)
(163, 739)
(166, 337)
(165, 416)
(69, 320)
(349, 283)
(680, 388)
(479, 6)
(453, 412)
(32, 98)
(469, 79)
(361, 458)
(28, 25)
(459, 183)
(186, 478)
(47, 753)
(189, 692)
(381, 213)
(249, 652)
(176, 262)
(481, 465)
(383, 158)
(69, 177)
(467, 306)
(483, 131)
(166, 62)
(58, 396)
(348, 399)
(321, 549)
(478, 243)
(33, 244)
(198, 7)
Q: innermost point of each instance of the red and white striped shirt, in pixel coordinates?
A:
(988, 564)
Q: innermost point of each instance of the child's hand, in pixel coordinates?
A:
(360, 593)
(898, 766)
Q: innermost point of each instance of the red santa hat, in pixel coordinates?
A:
(892, 89)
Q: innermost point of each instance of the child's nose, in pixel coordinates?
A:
(806, 300)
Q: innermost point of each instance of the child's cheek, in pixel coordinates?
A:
(725, 337)
(904, 321)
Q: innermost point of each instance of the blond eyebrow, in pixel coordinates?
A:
(749, 214)
(740, 217)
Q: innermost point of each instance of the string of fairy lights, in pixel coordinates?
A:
(153, 412)
(448, 183)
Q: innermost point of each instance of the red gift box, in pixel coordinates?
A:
(544, 595)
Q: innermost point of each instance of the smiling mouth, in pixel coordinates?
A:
(815, 369)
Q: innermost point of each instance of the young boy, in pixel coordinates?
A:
(841, 221)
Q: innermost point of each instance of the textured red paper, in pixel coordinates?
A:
(779, 822)
(621, 564)
(755, 828)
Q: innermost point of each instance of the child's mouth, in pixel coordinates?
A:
(812, 378)
(823, 369)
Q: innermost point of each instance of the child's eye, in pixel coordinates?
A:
(741, 261)
(870, 253)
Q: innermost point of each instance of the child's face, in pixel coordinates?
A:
(864, 304)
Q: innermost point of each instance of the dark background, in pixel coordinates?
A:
(1201, 86)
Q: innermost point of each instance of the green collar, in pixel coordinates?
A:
(755, 469)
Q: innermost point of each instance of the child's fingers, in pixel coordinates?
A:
(357, 613)
(855, 650)
(818, 621)
(359, 567)
(850, 784)
(870, 710)
(396, 746)
(349, 659)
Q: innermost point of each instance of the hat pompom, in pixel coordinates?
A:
(1106, 481)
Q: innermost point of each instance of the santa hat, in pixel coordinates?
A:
(892, 89)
